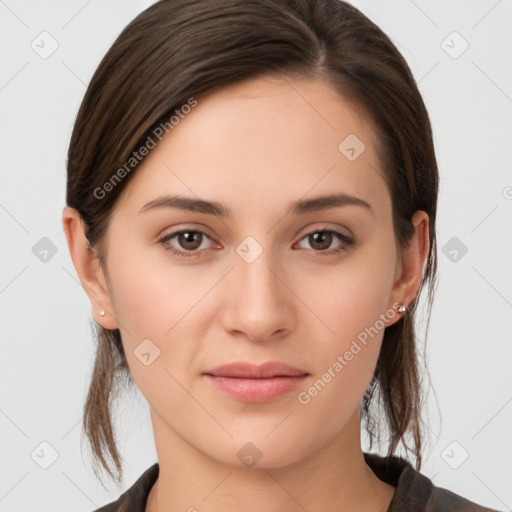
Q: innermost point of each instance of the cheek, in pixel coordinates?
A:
(137, 299)
(159, 301)
(349, 302)
(345, 355)
(348, 297)
(150, 293)
(152, 316)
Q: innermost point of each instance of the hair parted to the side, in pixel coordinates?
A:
(179, 49)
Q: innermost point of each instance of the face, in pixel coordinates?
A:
(262, 279)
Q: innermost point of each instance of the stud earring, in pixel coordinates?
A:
(402, 308)
(102, 312)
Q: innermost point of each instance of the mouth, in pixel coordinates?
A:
(250, 383)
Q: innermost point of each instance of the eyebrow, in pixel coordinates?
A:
(214, 208)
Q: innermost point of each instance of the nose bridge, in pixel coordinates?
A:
(259, 301)
(259, 277)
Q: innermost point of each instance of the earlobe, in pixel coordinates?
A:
(88, 268)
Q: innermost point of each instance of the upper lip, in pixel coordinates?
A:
(251, 371)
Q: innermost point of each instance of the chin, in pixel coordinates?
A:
(257, 451)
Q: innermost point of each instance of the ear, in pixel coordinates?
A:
(88, 268)
(409, 271)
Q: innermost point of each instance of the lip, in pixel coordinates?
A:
(251, 371)
(256, 384)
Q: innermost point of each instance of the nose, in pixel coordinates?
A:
(260, 304)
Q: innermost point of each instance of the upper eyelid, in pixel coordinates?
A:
(205, 232)
(175, 232)
(171, 235)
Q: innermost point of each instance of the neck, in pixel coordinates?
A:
(335, 478)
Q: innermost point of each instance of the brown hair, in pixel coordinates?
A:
(178, 49)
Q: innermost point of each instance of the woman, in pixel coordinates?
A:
(251, 206)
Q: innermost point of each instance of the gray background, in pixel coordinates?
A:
(47, 349)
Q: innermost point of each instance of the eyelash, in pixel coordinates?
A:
(348, 242)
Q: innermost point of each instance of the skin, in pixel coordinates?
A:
(255, 147)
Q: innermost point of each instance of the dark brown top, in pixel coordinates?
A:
(414, 491)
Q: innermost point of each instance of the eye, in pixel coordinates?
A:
(189, 239)
(321, 240)
(192, 241)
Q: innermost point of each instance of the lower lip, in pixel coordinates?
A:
(256, 390)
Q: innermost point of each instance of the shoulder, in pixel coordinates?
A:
(444, 500)
(134, 499)
(415, 491)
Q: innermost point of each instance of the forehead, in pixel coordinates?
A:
(264, 141)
